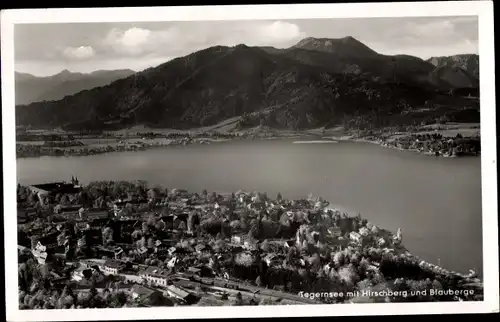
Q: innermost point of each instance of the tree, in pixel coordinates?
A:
(152, 221)
(238, 299)
(355, 225)
(279, 198)
(32, 198)
(305, 246)
(363, 267)
(145, 228)
(254, 231)
(348, 275)
(192, 222)
(136, 234)
(107, 235)
(153, 194)
(151, 243)
(64, 200)
(316, 263)
(235, 225)
(182, 226)
(258, 281)
(265, 246)
(160, 225)
(338, 259)
(291, 255)
(141, 242)
(219, 246)
(100, 202)
(213, 197)
(61, 238)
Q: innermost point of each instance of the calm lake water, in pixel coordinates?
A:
(436, 201)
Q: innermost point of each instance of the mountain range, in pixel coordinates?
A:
(469, 63)
(30, 88)
(317, 82)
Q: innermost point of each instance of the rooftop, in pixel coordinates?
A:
(156, 271)
(177, 291)
(113, 263)
(143, 291)
(55, 186)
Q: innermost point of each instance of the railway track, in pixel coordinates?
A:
(236, 286)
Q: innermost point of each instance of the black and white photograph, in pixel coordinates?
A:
(174, 161)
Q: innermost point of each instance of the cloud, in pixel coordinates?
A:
(443, 28)
(279, 32)
(137, 41)
(186, 38)
(82, 52)
(138, 45)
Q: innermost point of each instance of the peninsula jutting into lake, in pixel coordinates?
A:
(124, 244)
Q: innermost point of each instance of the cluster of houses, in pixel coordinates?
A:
(151, 281)
(146, 282)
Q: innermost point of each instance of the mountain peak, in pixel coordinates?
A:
(241, 46)
(65, 72)
(346, 46)
(349, 38)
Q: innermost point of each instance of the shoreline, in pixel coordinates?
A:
(386, 144)
(135, 145)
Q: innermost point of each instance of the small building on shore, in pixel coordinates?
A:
(53, 188)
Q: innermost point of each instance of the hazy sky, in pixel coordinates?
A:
(46, 49)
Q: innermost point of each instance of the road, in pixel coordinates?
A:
(251, 290)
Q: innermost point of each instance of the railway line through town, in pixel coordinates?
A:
(207, 282)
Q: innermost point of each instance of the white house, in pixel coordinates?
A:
(354, 236)
(364, 231)
(77, 275)
(236, 239)
(335, 231)
(113, 267)
(155, 275)
(171, 263)
(381, 241)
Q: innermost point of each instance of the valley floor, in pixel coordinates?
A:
(451, 139)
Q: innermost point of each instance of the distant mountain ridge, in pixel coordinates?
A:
(30, 88)
(317, 82)
(467, 62)
(348, 55)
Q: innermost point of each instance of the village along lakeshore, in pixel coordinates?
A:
(127, 244)
(412, 138)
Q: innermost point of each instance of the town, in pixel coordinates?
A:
(127, 244)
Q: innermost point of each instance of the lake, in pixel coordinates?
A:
(435, 201)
